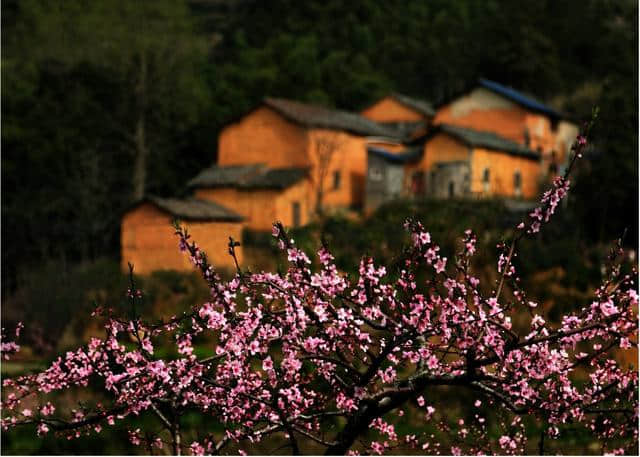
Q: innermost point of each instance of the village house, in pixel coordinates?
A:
(330, 143)
(148, 240)
(490, 106)
(462, 162)
(454, 162)
(290, 161)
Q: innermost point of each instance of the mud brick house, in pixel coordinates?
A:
(330, 143)
(490, 106)
(462, 162)
(149, 243)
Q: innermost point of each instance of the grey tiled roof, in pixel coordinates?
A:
(416, 104)
(321, 117)
(275, 178)
(406, 130)
(225, 176)
(487, 140)
(248, 177)
(195, 209)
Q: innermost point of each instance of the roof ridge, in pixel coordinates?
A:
(518, 96)
(321, 116)
(483, 132)
(420, 104)
(486, 138)
(193, 208)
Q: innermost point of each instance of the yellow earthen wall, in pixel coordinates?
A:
(149, 243)
(256, 205)
(263, 136)
(542, 138)
(229, 197)
(350, 158)
(441, 148)
(566, 135)
(502, 167)
(301, 193)
(390, 110)
(262, 207)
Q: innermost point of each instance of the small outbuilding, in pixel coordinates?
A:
(261, 195)
(386, 175)
(148, 239)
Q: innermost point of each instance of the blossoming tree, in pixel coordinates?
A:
(311, 355)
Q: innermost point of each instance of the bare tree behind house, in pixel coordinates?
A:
(326, 146)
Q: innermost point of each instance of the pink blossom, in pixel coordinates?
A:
(430, 411)
(440, 264)
(147, 346)
(42, 429)
(47, 409)
(196, 448)
(608, 308)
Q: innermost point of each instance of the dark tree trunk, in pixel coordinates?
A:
(140, 162)
(356, 426)
(141, 150)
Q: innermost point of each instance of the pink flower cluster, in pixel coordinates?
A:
(549, 201)
(7, 348)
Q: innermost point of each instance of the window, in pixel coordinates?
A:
(517, 184)
(451, 189)
(375, 174)
(527, 137)
(296, 214)
(486, 176)
(336, 180)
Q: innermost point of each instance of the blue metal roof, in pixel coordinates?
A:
(405, 156)
(519, 98)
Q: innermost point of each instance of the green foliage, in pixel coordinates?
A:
(53, 296)
(74, 91)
